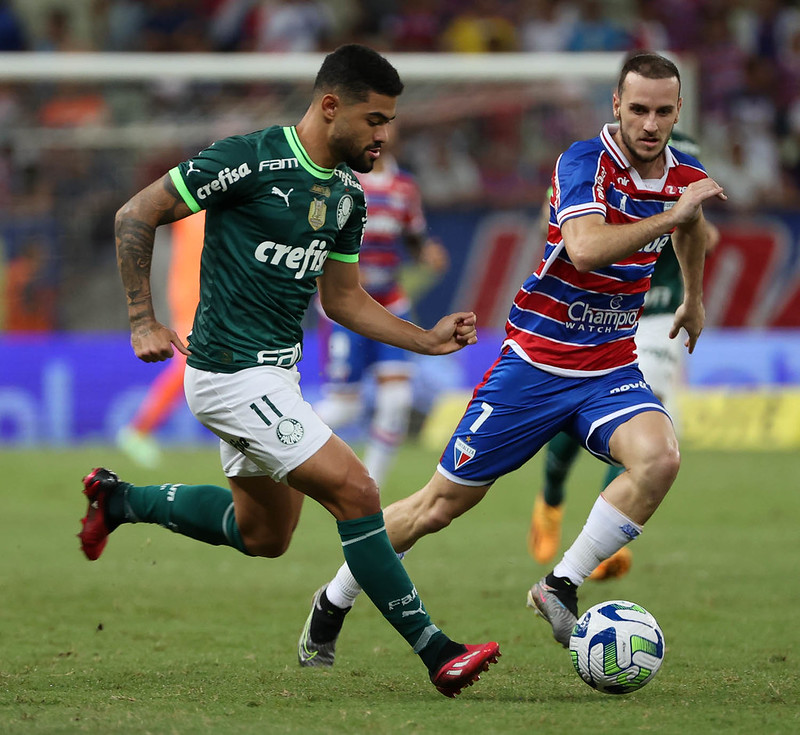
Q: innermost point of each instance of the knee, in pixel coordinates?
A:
(270, 546)
(357, 495)
(664, 467)
(657, 471)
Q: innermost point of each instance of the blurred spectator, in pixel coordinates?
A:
(747, 171)
(682, 22)
(174, 25)
(58, 33)
(297, 26)
(546, 25)
(480, 28)
(446, 173)
(30, 295)
(722, 66)
(648, 31)
(505, 184)
(232, 24)
(415, 26)
(12, 35)
(765, 28)
(594, 31)
(121, 24)
(74, 105)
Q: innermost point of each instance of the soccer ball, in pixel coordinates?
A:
(616, 647)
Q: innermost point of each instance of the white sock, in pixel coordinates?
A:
(343, 589)
(605, 532)
(389, 426)
(339, 409)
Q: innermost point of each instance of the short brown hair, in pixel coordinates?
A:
(650, 66)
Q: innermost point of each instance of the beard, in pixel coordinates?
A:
(637, 157)
(354, 156)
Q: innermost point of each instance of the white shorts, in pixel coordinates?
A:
(264, 425)
(660, 358)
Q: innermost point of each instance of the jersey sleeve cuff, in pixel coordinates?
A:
(183, 190)
(344, 257)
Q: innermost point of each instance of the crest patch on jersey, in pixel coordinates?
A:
(324, 191)
(316, 213)
(462, 453)
(289, 431)
(343, 210)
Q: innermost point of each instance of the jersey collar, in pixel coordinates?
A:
(302, 157)
(607, 138)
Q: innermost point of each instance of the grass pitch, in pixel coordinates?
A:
(166, 635)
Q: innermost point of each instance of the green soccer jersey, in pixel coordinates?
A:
(666, 284)
(273, 217)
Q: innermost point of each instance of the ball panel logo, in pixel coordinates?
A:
(289, 431)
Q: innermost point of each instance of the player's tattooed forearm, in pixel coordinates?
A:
(135, 256)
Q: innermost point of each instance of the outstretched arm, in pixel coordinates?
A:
(592, 243)
(346, 302)
(135, 227)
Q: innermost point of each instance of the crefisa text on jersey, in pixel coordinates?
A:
(225, 178)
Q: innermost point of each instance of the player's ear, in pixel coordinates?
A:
(615, 105)
(329, 104)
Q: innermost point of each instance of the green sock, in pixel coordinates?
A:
(612, 474)
(561, 453)
(201, 512)
(375, 565)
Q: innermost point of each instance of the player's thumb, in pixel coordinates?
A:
(178, 342)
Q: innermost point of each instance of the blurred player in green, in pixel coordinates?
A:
(285, 216)
(661, 362)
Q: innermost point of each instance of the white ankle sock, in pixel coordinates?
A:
(605, 532)
(343, 589)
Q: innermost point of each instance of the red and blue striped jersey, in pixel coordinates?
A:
(394, 211)
(581, 324)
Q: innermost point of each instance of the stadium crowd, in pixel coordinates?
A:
(747, 54)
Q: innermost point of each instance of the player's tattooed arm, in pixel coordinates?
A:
(135, 227)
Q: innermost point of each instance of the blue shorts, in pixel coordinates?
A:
(349, 356)
(517, 409)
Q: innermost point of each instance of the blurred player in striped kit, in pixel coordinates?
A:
(661, 362)
(396, 223)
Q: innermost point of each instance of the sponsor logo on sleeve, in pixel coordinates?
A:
(225, 179)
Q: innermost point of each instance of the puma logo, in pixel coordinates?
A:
(278, 192)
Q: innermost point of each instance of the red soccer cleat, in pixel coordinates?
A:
(465, 669)
(97, 486)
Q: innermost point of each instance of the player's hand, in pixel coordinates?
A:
(452, 332)
(687, 208)
(692, 318)
(153, 342)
